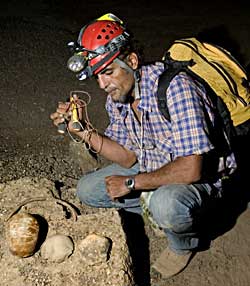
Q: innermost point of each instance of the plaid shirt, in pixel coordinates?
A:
(157, 141)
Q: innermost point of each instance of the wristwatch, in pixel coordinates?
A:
(130, 183)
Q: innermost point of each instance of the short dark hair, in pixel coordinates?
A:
(133, 46)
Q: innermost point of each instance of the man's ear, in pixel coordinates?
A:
(132, 60)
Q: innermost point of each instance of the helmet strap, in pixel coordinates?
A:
(136, 75)
(123, 65)
(137, 78)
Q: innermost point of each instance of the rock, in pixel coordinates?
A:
(57, 248)
(95, 249)
(22, 234)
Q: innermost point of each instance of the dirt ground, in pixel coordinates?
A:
(34, 77)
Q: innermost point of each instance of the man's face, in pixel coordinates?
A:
(117, 82)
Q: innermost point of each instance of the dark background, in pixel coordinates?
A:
(34, 53)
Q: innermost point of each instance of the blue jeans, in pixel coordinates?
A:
(175, 208)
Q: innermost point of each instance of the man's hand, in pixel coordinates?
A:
(116, 186)
(63, 114)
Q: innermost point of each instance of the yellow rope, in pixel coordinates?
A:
(80, 103)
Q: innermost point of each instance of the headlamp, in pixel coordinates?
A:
(76, 63)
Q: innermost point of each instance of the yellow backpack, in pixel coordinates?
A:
(217, 69)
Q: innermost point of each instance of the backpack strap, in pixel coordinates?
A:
(223, 120)
(172, 68)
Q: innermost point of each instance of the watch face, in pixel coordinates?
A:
(130, 183)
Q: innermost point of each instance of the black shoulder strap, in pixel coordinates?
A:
(172, 68)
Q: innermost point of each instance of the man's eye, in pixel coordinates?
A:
(108, 72)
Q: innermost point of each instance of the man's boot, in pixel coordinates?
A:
(170, 263)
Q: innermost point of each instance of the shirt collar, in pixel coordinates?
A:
(148, 84)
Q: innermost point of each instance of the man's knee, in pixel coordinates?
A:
(171, 208)
(85, 190)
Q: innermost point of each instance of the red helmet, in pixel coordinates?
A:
(98, 36)
(99, 43)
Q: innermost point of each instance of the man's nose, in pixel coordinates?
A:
(102, 81)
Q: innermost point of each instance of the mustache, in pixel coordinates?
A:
(109, 89)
